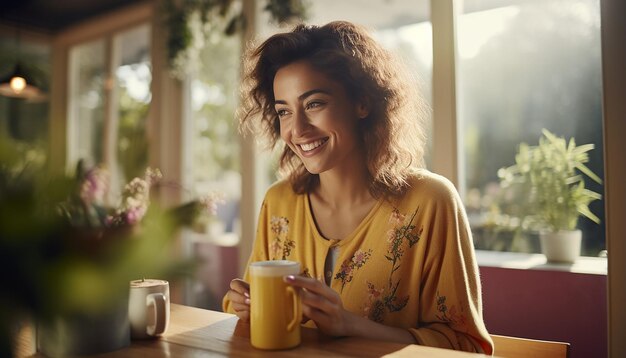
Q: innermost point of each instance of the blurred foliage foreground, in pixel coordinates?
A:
(61, 254)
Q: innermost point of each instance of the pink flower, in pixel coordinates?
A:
(134, 215)
(94, 186)
(135, 200)
(152, 175)
(391, 235)
(210, 201)
(396, 218)
(359, 257)
(372, 292)
(346, 269)
(279, 225)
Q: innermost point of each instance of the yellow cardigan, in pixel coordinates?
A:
(410, 263)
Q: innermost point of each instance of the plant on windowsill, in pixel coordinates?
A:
(550, 179)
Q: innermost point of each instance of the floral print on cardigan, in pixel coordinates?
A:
(400, 237)
(281, 246)
(449, 315)
(348, 267)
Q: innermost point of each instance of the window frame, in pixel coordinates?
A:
(106, 28)
(613, 34)
(445, 135)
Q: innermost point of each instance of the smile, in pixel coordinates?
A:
(307, 147)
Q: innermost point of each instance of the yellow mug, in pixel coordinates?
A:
(275, 306)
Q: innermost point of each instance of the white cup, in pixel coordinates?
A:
(148, 308)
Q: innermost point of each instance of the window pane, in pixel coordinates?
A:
(524, 66)
(86, 103)
(215, 143)
(133, 77)
(213, 165)
(214, 96)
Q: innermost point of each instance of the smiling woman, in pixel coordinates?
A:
(318, 121)
(383, 244)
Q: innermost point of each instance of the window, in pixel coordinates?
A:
(524, 66)
(86, 111)
(133, 74)
(109, 97)
(214, 153)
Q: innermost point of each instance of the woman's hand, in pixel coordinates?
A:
(323, 305)
(239, 296)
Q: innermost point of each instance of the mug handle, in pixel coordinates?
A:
(297, 308)
(157, 300)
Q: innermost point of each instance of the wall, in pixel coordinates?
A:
(218, 264)
(548, 305)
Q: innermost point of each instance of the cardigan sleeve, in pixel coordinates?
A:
(259, 250)
(450, 303)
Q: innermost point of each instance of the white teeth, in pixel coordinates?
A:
(310, 146)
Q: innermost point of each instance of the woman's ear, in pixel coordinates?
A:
(363, 108)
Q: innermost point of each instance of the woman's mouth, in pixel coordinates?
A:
(307, 147)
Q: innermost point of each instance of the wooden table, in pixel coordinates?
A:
(195, 332)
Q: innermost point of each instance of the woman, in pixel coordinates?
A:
(385, 247)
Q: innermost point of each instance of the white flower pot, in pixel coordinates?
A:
(561, 246)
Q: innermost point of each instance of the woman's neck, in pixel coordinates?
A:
(344, 188)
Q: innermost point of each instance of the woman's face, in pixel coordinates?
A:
(318, 121)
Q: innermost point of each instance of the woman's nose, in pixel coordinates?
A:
(300, 123)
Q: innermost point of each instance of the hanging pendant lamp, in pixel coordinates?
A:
(18, 84)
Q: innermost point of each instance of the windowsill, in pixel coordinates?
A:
(523, 261)
(224, 239)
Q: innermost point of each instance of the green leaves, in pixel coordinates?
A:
(221, 15)
(284, 11)
(52, 264)
(551, 180)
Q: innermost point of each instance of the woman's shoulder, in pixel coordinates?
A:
(426, 184)
(280, 191)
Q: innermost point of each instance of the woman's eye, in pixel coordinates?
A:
(312, 105)
(281, 113)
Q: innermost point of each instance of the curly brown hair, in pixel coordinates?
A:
(392, 133)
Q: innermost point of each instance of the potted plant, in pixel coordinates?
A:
(68, 259)
(550, 177)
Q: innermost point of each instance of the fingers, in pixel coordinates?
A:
(319, 302)
(317, 316)
(329, 322)
(239, 292)
(240, 306)
(314, 286)
(241, 286)
(243, 315)
(239, 296)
